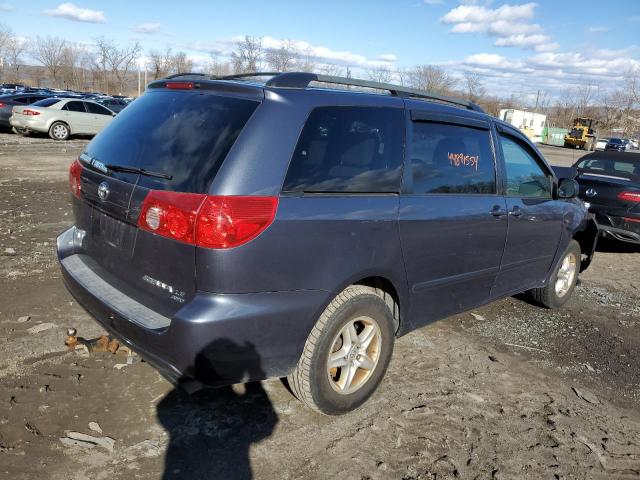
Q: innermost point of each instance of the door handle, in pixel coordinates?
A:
(498, 211)
(516, 211)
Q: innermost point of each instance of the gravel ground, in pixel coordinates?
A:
(513, 391)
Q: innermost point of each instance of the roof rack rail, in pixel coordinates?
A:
(185, 74)
(248, 75)
(303, 79)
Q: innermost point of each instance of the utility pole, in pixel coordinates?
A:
(537, 100)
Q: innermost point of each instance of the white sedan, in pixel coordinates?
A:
(61, 117)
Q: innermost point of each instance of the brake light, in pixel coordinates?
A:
(180, 85)
(28, 111)
(633, 220)
(171, 214)
(225, 222)
(629, 196)
(206, 221)
(74, 178)
(2, 105)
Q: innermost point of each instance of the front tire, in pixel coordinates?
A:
(562, 281)
(59, 131)
(347, 353)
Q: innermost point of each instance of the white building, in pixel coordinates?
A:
(530, 123)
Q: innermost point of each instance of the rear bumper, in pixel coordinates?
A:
(216, 339)
(28, 122)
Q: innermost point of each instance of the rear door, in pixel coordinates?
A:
(535, 218)
(99, 116)
(76, 116)
(181, 135)
(453, 223)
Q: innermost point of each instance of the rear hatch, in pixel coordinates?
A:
(167, 140)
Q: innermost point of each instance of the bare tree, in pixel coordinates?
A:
(114, 63)
(473, 86)
(217, 68)
(247, 55)
(180, 63)
(431, 78)
(73, 72)
(282, 59)
(307, 61)
(160, 63)
(380, 74)
(14, 49)
(49, 52)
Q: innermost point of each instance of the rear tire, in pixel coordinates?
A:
(347, 353)
(562, 281)
(59, 131)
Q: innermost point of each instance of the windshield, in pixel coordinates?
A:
(615, 140)
(185, 135)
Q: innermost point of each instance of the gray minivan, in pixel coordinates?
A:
(231, 230)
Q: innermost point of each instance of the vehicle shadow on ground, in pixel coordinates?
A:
(211, 431)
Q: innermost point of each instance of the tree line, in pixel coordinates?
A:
(112, 68)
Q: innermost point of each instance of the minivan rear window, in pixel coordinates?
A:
(185, 135)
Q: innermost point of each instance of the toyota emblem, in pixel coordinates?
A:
(591, 192)
(103, 191)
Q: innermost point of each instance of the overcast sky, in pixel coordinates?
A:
(518, 47)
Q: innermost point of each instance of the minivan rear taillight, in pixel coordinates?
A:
(629, 196)
(74, 178)
(207, 220)
(225, 222)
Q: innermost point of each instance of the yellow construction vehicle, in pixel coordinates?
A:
(582, 135)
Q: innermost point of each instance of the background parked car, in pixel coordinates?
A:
(61, 117)
(610, 183)
(114, 104)
(7, 102)
(601, 144)
(616, 144)
(11, 88)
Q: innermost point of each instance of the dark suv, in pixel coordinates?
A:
(231, 230)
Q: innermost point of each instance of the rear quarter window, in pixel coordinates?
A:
(183, 134)
(348, 149)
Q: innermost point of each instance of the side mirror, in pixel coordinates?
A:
(568, 188)
(113, 114)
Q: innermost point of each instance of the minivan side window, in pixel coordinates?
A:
(348, 149)
(525, 177)
(449, 158)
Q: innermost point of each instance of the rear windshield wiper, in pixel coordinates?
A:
(104, 168)
(139, 171)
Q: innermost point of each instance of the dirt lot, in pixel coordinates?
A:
(511, 392)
